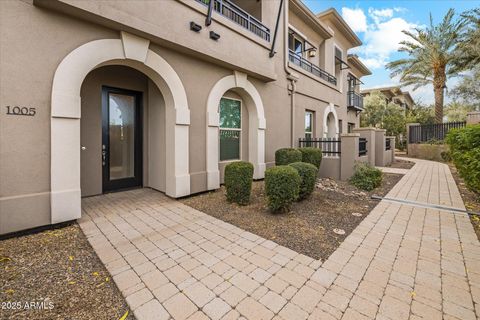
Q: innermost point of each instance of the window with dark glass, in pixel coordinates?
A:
(295, 43)
(351, 82)
(351, 126)
(230, 129)
(308, 124)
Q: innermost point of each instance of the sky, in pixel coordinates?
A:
(379, 25)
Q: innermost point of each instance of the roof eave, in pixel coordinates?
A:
(343, 26)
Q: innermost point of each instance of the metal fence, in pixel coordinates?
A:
(432, 132)
(331, 147)
(362, 147)
(310, 67)
(388, 144)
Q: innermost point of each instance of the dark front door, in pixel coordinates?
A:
(121, 138)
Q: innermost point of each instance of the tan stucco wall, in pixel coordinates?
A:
(31, 49)
(427, 151)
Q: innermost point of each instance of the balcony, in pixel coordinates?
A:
(354, 100)
(233, 12)
(308, 66)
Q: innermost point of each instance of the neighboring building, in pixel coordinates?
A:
(393, 94)
(99, 96)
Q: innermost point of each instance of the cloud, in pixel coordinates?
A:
(382, 33)
(355, 18)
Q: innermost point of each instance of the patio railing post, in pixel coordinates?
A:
(349, 150)
(369, 134)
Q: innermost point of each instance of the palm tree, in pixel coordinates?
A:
(469, 48)
(432, 54)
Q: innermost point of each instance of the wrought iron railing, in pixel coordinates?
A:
(233, 12)
(362, 147)
(432, 132)
(354, 100)
(307, 65)
(331, 147)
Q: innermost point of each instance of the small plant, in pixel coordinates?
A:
(366, 177)
(286, 156)
(282, 187)
(308, 174)
(446, 156)
(238, 181)
(311, 155)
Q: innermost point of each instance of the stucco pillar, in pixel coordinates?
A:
(369, 134)
(349, 149)
(380, 147)
(473, 117)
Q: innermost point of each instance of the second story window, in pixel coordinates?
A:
(230, 129)
(338, 62)
(308, 124)
(352, 82)
(295, 43)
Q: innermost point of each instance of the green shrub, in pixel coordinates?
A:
(311, 155)
(286, 156)
(366, 177)
(308, 174)
(446, 156)
(464, 146)
(238, 181)
(282, 186)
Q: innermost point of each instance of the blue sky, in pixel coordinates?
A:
(379, 24)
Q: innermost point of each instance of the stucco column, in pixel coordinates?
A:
(369, 134)
(349, 149)
(380, 147)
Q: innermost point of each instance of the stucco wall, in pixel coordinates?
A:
(427, 151)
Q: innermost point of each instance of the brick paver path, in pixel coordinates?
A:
(401, 262)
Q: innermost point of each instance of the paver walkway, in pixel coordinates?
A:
(401, 262)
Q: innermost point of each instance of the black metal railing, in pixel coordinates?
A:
(362, 147)
(313, 69)
(354, 100)
(331, 147)
(388, 144)
(432, 132)
(233, 12)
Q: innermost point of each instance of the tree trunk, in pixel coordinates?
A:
(438, 104)
(439, 82)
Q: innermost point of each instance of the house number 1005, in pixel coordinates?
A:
(21, 111)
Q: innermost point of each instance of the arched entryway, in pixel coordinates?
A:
(130, 51)
(239, 84)
(330, 122)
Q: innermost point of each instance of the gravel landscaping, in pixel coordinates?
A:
(59, 268)
(401, 164)
(309, 227)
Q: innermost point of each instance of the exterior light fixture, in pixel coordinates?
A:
(195, 27)
(312, 52)
(214, 36)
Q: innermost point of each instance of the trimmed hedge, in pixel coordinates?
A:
(311, 155)
(464, 146)
(286, 156)
(308, 174)
(238, 181)
(366, 177)
(282, 186)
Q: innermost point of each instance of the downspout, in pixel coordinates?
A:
(291, 87)
(208, 20)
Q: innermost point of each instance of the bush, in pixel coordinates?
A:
(286, 156)
(464, 146)
(238, 181)
(311, 155)
(446, 156)
(366, 177)
(282, 186)
(308, 175)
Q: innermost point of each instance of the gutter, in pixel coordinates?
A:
(291, 87)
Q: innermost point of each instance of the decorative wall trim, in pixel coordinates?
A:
(256, 126)
(65, 119)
